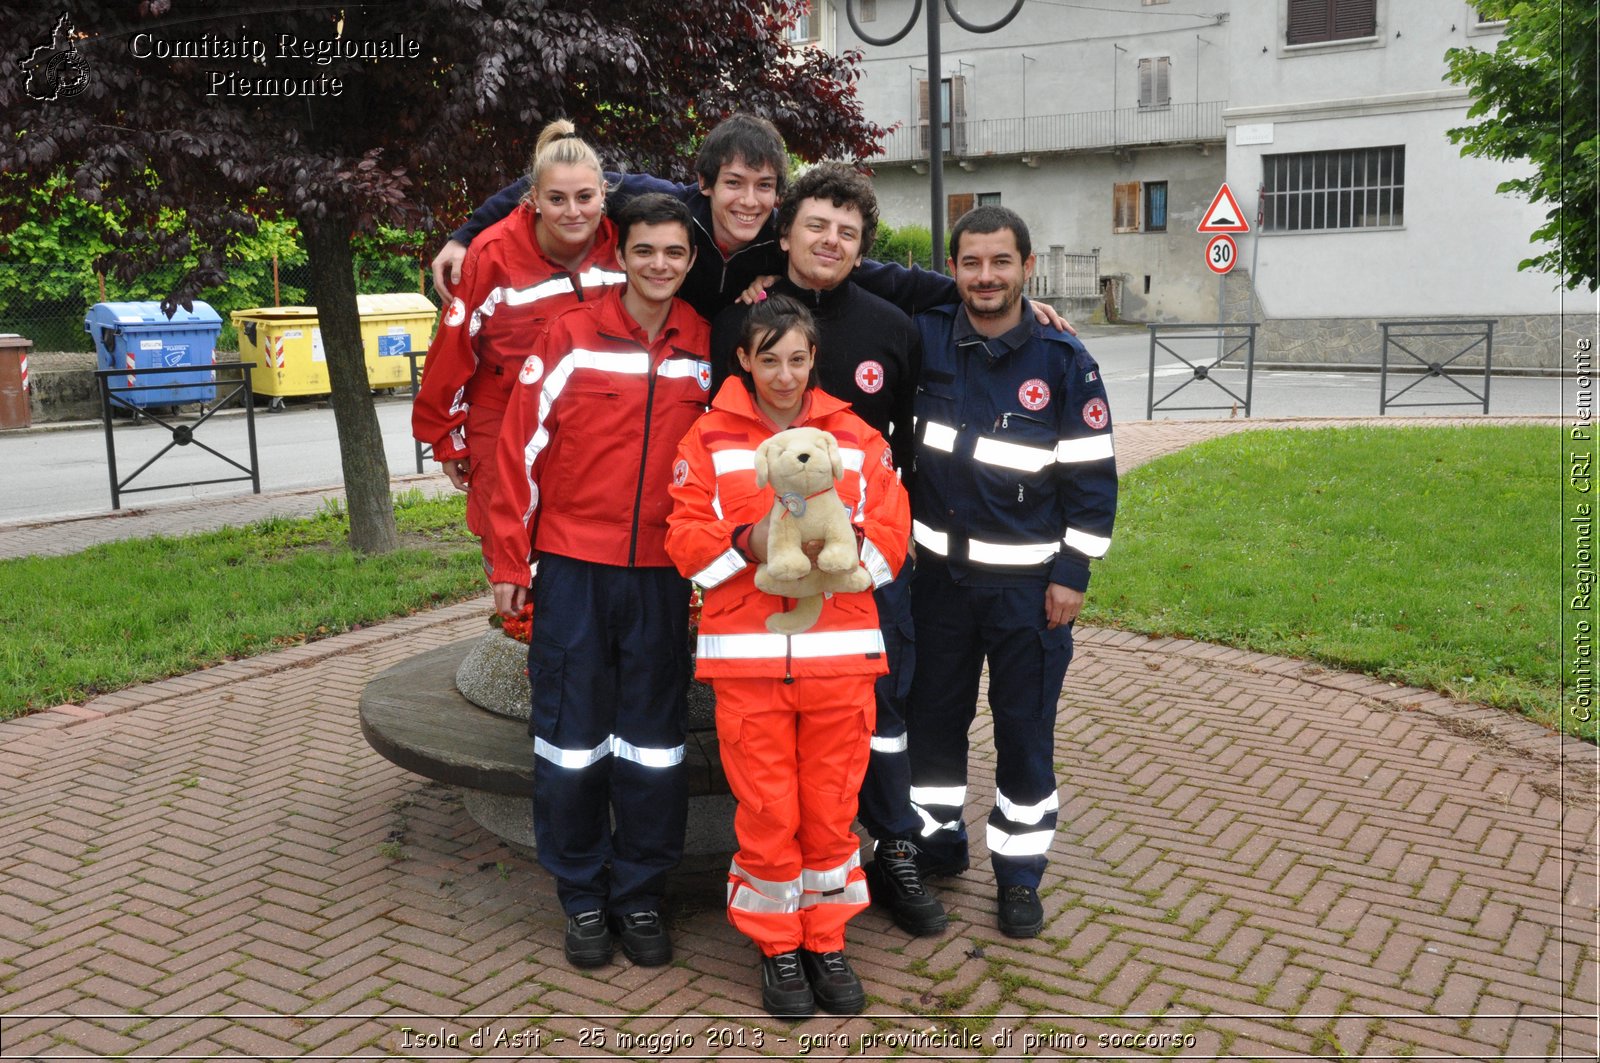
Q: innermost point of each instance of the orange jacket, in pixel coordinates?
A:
(714, 492)
(508, 292)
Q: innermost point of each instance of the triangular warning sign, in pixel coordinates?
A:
(1224, 215)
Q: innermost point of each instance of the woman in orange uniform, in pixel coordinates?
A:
(794, 712)
(556, 249)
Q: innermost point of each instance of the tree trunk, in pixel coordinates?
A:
(366, 469)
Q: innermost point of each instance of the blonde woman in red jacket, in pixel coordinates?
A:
(794, 712)
(556, 250)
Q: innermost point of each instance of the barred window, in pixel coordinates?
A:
(1322, 191)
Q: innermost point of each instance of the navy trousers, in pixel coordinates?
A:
(886, 791)
(609, 663)
(959, 625)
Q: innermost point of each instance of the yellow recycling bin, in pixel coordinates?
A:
(285, 344)
(392, 326)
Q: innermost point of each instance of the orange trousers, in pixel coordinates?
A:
(794, 755)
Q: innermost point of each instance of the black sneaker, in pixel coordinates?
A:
(834, 984)
(588, 939)
(896, 884)
(785, 993)
(644, 938)
(934, 868)
(1021, 914)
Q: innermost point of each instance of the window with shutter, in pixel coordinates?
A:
(957, 204)
(1155, 206)
(1125, 207)
(922, 116)
(956, 115)
(1155, 82)
(1315, 21)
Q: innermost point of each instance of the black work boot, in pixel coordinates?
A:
(834, 984)
(785, 993)
(1021, 914)
(588, 941)
(896, 884)
(644, 938)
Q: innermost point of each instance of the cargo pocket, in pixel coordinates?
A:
(1055, 654)
(731, 729)
(547, 674)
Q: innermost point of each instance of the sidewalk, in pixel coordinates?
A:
(1258, 858)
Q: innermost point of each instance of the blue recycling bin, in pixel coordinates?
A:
(134, 336)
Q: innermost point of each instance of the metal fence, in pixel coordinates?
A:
(1083, 131)
(1208, 346)
(46, 302)
(1421, 342)
(1063, 274)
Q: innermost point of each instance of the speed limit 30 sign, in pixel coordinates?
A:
(1220, 253)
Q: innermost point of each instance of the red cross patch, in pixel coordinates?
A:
(1095, 414)
(1034, 394)
(888, 461)
(456, 314)
(869, 376)
(703, 376)
(532, 370)
(680, 472)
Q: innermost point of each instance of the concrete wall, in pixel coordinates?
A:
(1067, 201)
(1456, 252)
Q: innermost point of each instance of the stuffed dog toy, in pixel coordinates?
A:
(802, 465)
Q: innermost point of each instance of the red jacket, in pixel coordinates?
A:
(714, 491)
(508, 292)
(587, 445)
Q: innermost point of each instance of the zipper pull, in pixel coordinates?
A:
(1005, 420)
(1019, 492)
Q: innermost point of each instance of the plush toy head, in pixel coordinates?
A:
(801, 465)
(799, 458)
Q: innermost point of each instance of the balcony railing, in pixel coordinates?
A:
(1085, 131)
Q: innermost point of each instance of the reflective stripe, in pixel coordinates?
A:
(786, 890)
(1012, 455)
(458, 404)
(833, 878)
(681, 368)
(982, 553)
(931, 826)
(947, 796)
(877, 564)
(937, 541)
(1089, 545)
(726, 461)
(647, 756)
(939, 437)
(852, 458)
(593, 277)
(727, 563)
(804, 645)
(1029, 814)
(571, 758)
(854, 893)
(743, 898)
(881, 744)
(1033, 843)
(632, 363)
(1089, 448)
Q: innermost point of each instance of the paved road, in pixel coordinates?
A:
(50, 474)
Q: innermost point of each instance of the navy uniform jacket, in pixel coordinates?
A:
(1014, 467)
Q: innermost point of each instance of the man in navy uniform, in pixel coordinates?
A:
(1015, 493)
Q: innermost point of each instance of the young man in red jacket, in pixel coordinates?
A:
(586, 457)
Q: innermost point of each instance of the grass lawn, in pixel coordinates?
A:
(133, 611)
(1429, 556)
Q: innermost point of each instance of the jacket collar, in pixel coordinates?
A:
(615, 321)
(733, 397)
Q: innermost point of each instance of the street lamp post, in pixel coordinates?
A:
(935, 103)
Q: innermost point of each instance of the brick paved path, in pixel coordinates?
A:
(1271, 859)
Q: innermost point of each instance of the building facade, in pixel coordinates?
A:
(1110, 126)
